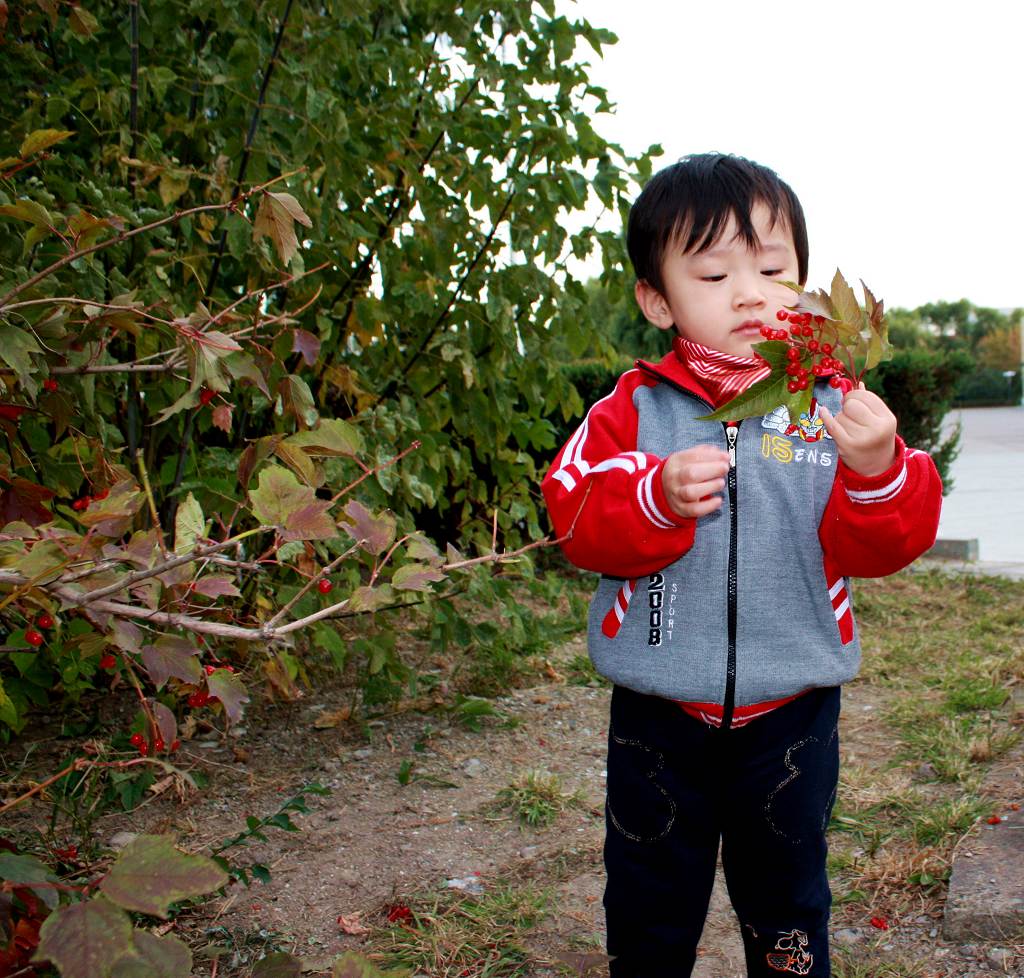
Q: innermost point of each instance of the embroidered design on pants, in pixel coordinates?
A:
(791, 954)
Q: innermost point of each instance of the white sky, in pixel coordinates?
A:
(899, 124)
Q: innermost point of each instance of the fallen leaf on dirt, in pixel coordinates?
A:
(241, 755)
(552, 673)
(352, 925)
(159, 787)
(542, 699)
(331, 718)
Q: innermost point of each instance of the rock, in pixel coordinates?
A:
(123, 839)
(363, 753)
(848, 936)
(469, 884)
(473, 767)
(986, 891)
(1000, 957)
(528, 852)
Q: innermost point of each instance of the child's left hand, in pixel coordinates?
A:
(864, 432)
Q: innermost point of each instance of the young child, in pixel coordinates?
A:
(723, 616)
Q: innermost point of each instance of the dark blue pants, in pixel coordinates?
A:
(675, 788)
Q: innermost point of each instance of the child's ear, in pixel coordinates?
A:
(653, 305)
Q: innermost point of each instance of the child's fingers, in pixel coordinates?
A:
(828, 420)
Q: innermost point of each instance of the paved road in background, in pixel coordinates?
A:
(987, 501)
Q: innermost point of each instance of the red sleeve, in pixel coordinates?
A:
(874, 526)
(611, 496)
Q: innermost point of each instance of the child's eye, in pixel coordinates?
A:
(712, 278)
(773, 271)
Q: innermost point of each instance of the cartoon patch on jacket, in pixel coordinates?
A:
(808, 426)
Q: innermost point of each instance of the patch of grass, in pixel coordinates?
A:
(957, 747)
(934, 823)
(580, 671)
(874, 963)
(453, 935)
(536, 798)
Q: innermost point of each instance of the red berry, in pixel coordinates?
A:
(144, 749)
(45, 620)
(792, 353)
(108, 661)
(803, 383)
(175, 744)
(806, 321)
(826, 347)
(782, 315)
(102, 494)
(812, 345)
(198, 698)
(819, 320)
(324, 585)
(794, 331)
(210, 670)
(793, 369)
(834, 382)
(803, 373)
(793, 386)
(33, 637)
(795, 317)
(880, 922)
(206, 395)
(50, 385)
(767, 332)
(780, 334)
(82, 503)
(136, 739)
(158, 745)
(806, 331)
(818, 370)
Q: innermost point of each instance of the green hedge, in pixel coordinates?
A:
(987, 387)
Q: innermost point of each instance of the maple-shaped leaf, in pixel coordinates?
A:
(281, 500)
(126, 635)
(278, 965)
(415, 577)
(40, 139)
(112, 516)
(305, 343)
(331, 438)
(216, 586)
(150, 874)
(85, 940)
(374, 533)
(222, 417)
(275, 219)
(155, 957)
(23, 500)
(165, 722)
(370, 598)
(26, 869)
(299, 462)
(230, 690)
(172, 655)
(419, 547)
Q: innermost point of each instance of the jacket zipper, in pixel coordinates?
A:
(732, 430)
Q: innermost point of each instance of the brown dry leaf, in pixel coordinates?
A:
(159, 787)
(331, 718)
(352, 925)
(541, 698)
(241, 755)
(552, 673)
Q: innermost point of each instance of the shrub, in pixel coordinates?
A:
(986, 387)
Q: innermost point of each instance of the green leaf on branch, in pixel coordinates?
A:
(275, 219)
(281, 500)
(85, 940)
(150, 874)
(416, 577)
(332, 438)
(155, 957)
(36, 142)
(230, 690)
(16, 349)
(189, 524)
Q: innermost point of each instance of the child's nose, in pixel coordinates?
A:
(749, 293)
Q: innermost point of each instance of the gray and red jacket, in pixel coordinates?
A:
(748, 606)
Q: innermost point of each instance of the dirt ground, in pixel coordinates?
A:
(374, 842)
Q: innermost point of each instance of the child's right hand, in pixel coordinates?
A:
(692, 478)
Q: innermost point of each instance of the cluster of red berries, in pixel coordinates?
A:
(33, 636)
(50, 385)
(800, 336)
(84, 502)
(142, 745)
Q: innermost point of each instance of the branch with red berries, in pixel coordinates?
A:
(823, 336)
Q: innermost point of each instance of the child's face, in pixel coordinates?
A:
(723, 296)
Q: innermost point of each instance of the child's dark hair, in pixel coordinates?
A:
(691, 201)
